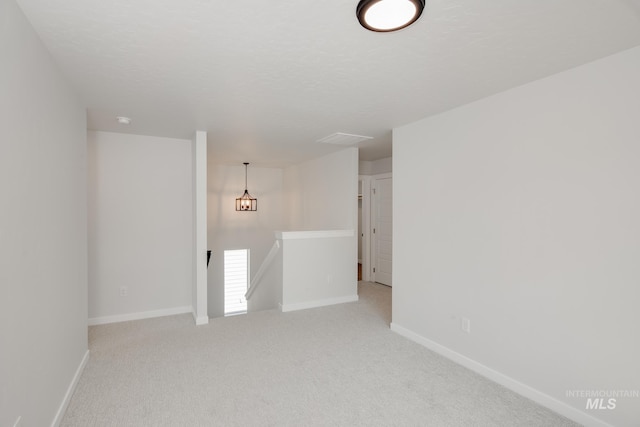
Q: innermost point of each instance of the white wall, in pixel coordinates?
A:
(318, 269)
(140, 226)
(376, 167)
(43, 264)
(230, 229)
(527, 224)
(321, 194)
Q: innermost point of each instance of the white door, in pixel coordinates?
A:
(382, 229)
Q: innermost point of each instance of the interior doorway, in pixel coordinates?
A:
(364, 221)
(375, 228)
(382, 229)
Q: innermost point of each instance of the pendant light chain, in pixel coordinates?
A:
(245, 176)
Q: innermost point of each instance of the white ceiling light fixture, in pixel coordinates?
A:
(123, 120)
(388, 15)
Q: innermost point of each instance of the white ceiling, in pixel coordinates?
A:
(266, 79)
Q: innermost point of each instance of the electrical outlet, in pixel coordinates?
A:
(466, 325)
(124, 291)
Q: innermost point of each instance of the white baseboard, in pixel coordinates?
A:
(138, 316)
(72, 388)
(318, 303)
(202, 320)
(508, 382)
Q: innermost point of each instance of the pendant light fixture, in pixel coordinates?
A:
(388, 15)
(246, 202)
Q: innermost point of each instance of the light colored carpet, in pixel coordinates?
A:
(337, 366)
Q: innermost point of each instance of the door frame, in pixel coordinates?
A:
(365, 219)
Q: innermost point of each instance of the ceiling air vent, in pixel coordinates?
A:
(339, 138)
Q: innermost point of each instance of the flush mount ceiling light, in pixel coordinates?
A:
(246, 202)
(123, 120)
(388, 15)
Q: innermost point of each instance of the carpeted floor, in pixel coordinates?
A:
(330, 366)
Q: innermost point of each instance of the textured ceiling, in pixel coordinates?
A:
(266, 79)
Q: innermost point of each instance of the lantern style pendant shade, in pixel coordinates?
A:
(246, 202)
